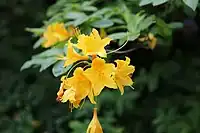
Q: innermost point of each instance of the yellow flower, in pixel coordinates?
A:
(72, 55)
(63, 86)
(81, 85)
(67, 93)
(122, 74)
(75, 89)
(152, 41)
(93, 44)
(94, 126)
(100, 75)
(55, 32)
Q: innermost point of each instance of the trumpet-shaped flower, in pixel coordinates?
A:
(100, 75)
(75, 89)
(72, 55)
(94, 126)
(82, 85)
(63, 86)
(55, 32)
(122, 74)
(93, 44)
(67, 93)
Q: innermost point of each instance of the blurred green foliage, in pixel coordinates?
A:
(165, 98)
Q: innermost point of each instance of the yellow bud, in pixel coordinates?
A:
(95, 126)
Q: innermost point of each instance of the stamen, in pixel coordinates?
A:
(82, 103)
(132, 87)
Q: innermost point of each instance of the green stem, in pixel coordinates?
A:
(96, 100)
(75, 66)
(117, 28)
(118, 48)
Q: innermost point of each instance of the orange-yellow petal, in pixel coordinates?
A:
(93, 44)
(100, 75)
(80, 83)
(55, 32)
(91, 97)
(123, 73)
(94, 126)
(72, 55)
(69, 94)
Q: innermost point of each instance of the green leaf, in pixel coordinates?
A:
(89, 8)
(36, 31)
(100, 12)
(154, 2)
(175, 25)
(59, 69)
(191, 3)
(139, 22)
(163, 28)
(117, 20)
(75, 15)
(159, 2)
(118, 35)
(102, 23)
(43, 62)
(145, 2)
(80, 21)
(50, 52)
(133, 36)
(44, 59)
(38, 43)
(148, 21)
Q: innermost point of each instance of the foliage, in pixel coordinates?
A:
(191, 3)
(166, 94)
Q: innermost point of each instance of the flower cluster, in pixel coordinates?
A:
(91, 80)
(95, 73)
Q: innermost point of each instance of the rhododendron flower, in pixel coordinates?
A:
(123, 73)
(81, 85)
(75, 89)
(100, 75)
(93, 44)
(55, 33)
(72, 55)
(94, 126)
